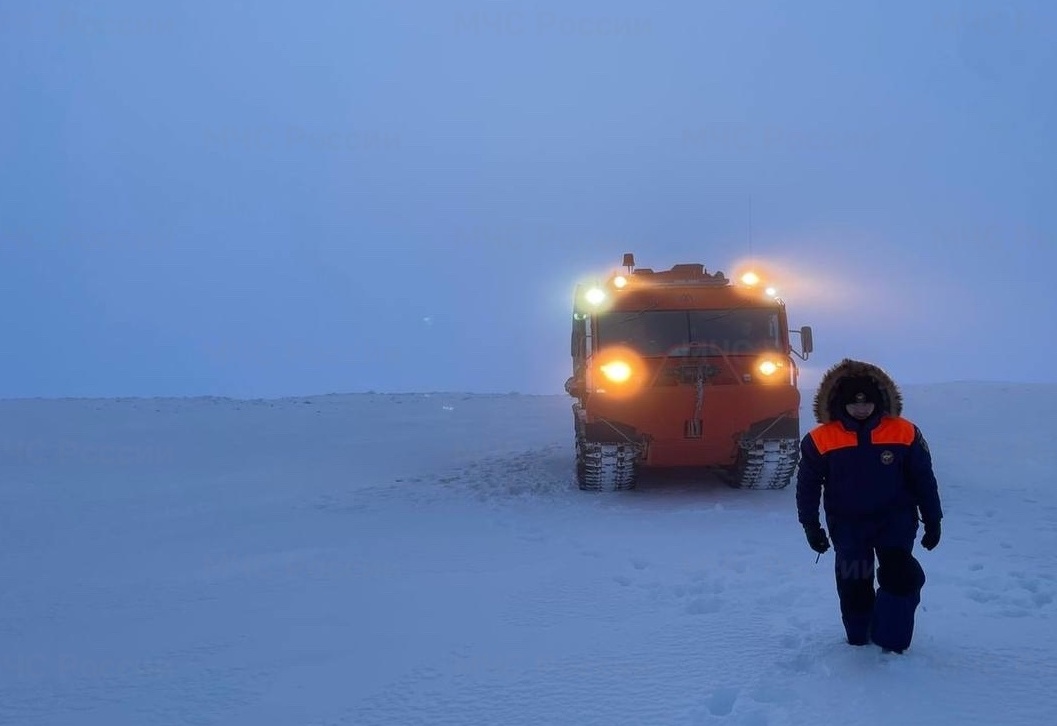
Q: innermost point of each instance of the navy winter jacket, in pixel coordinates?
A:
(866, 470)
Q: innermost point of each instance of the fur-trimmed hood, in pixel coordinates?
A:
(892, 399)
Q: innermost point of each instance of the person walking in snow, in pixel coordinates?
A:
(872, 471)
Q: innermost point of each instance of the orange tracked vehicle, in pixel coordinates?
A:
(684, 369)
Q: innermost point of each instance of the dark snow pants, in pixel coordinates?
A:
(884, 615)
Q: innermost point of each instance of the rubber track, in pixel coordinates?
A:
(769, 464)
(607, 467)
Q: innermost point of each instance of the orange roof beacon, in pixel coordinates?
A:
(684, 369)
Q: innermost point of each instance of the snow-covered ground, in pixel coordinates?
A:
(426, 559)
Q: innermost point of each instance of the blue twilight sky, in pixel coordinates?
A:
(255, 198)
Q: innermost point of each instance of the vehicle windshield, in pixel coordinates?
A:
(743, 331)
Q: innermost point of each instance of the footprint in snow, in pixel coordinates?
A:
(704, 606)
(1039, 595)
(721, 706)
(804, 651)
(1025, 595)
(702, 592)
(982, 596)
(720, 703)
(707, 584)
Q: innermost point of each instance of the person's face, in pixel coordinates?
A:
(860, 410)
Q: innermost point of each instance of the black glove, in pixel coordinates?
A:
(816, 537)
(931, 538)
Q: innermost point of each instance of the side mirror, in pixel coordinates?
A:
(573, 387)
(806, 341)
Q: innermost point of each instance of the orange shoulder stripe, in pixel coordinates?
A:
(893, 430)
(833, 436)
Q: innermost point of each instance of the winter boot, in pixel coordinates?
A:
(857, 628)
(898, 597)
(893, 620)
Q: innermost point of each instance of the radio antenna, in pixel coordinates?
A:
(751, 258)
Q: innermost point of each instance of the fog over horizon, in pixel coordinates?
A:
(263, 199)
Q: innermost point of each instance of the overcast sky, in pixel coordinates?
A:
(259, 198)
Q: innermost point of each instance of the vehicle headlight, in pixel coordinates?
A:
(768, 367)
(617, 371)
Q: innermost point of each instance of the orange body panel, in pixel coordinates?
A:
(727, 413)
